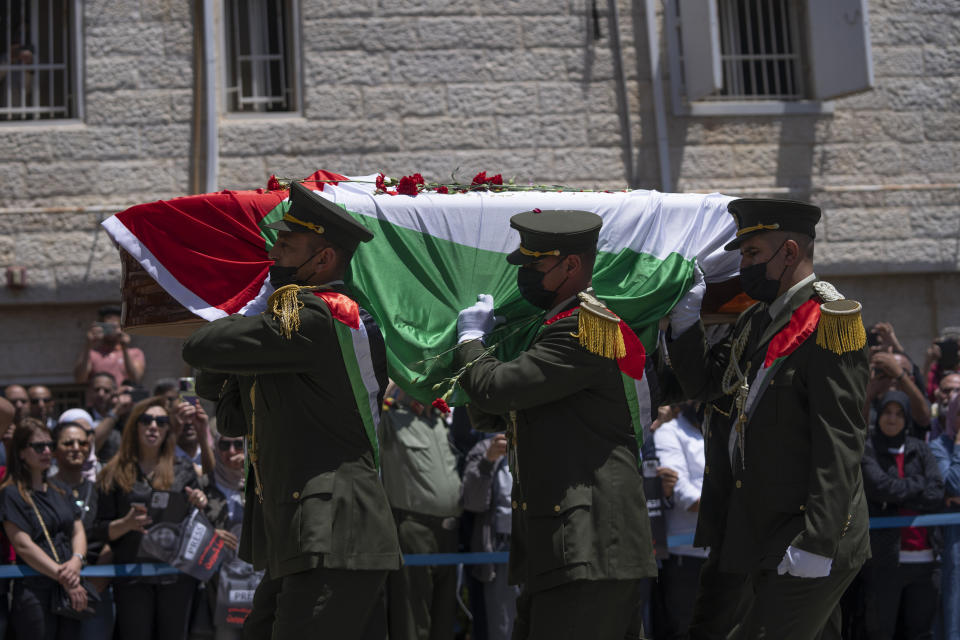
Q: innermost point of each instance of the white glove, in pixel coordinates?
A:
(477, 321)
(687, 312)
(804, 564)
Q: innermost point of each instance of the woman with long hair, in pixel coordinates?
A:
(143, 484)
(44, 526)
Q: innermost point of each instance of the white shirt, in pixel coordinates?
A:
(680, 447)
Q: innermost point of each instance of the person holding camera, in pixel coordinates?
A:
(942, 358)
(891, 371)
(107, 349)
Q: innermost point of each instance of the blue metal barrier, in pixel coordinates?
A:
(437, 559)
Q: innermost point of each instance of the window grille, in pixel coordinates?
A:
(760, 51)
(259, 68)
(36, 66)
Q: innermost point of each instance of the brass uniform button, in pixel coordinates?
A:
(296, 495)
(739, 484)
(803, 507)
(524, 506)
(556, 508)
(706, 469)
(514, 504)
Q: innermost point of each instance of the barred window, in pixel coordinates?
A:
(760, 51)
(260, 67)
(766, 56)
(37, 60)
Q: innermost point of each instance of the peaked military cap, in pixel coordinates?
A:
(757, 215)
(554, 233)
(310, 212)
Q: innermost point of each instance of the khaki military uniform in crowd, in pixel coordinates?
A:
(420, 477)
(316, 517)
(787, 475)
(581, 538)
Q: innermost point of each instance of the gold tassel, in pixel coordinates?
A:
(600, 336)
(841, 327)
(599, 329)
(285, 305)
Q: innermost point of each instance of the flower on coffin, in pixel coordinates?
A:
(410, 185)
(441, 405)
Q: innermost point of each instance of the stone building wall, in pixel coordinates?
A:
(520, 87)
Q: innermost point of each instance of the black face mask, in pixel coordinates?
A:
(530, 284)
(756, 284)
(282, 276)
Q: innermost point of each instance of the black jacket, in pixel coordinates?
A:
(920, 489)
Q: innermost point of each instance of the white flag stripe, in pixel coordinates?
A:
(158, 272)
(649, 222)
(361, 348)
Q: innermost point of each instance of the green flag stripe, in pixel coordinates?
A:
(630, 389)
(415, 284)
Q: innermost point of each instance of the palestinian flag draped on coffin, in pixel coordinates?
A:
(431, 255)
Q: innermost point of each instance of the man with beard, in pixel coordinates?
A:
(581, 542)
(304, 381)
(783, 509)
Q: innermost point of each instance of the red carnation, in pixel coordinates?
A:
(380, 184)
(273, 184)
(480, 178)
(418, 178)
(408, 185)
(442, 189)
(497, 179)
(441, 405)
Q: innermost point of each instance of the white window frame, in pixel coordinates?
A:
(684, 107)
(75, 68)
(296, 73)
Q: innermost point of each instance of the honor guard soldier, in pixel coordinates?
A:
(581, 542)
(783, 509)
(304, 382)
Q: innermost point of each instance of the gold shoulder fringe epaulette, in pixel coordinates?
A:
(285, 305)
(841, 328)
(599, 329)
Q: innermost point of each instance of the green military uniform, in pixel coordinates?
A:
(788, 473)
(423, 487)
(316, 516)
(581, 537)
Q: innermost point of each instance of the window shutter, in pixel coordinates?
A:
(838, 32)
(700, 38)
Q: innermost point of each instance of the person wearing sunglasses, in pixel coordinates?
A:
(46, 531)
(71, 449)
(143, 484)
(223, 487)
(41, 405)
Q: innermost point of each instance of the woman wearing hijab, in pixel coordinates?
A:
(900, 478)
(946, 450)
(79, 417)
